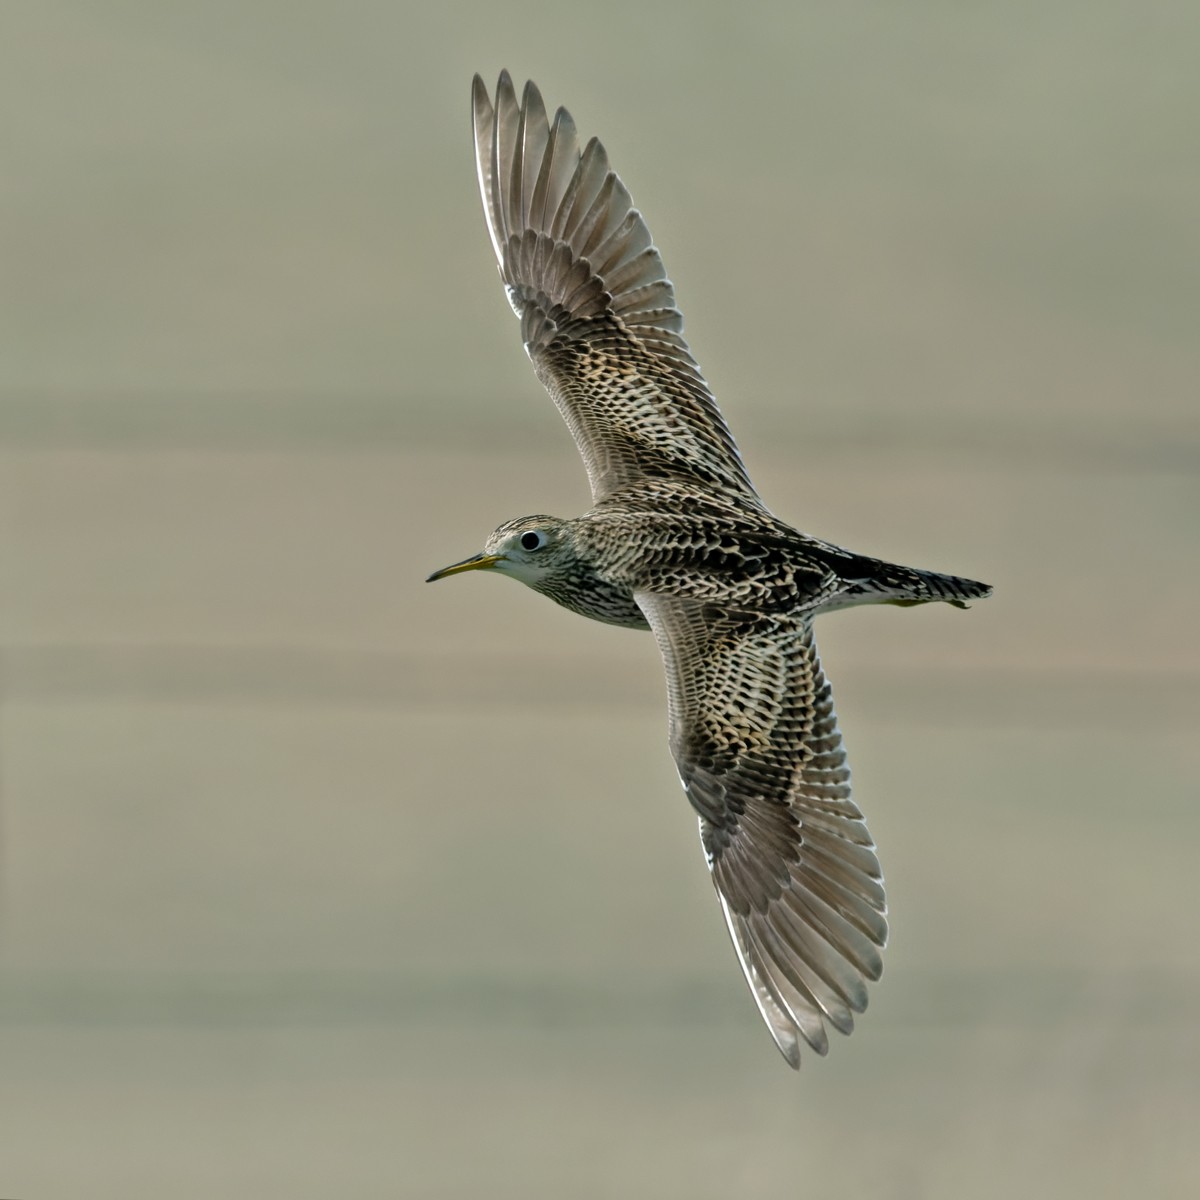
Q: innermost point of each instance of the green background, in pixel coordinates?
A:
(319, 881)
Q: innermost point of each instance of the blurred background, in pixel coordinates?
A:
(318, 880)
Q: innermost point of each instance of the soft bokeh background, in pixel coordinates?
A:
(319, 881)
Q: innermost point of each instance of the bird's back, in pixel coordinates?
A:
(673, 539)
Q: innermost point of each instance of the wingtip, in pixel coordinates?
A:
(564, 123)
(531, 96)
(504, 87)
(791, 1052)
(481, 104)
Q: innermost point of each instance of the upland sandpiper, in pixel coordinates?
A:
(679, 542)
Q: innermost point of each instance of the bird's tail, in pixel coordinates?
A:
(871, 581)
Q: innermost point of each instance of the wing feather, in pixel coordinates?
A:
(598, 314)
(755, 738)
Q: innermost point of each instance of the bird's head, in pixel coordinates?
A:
(531, 549)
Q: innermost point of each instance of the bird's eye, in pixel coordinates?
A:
(532, 540)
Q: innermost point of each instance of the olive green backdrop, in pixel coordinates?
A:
(319, 881)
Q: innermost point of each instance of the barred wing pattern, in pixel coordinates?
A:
(755, 738)
(598, 314)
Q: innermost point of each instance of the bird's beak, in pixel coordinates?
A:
(480, 562)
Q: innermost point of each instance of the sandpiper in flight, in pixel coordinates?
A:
(679, 542)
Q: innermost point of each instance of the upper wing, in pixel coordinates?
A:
(756, 742)
(597, 311)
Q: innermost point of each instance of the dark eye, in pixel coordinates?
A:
(532, 540)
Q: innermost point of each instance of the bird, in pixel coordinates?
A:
(679, 542)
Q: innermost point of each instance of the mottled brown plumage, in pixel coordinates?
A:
(678, 541)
